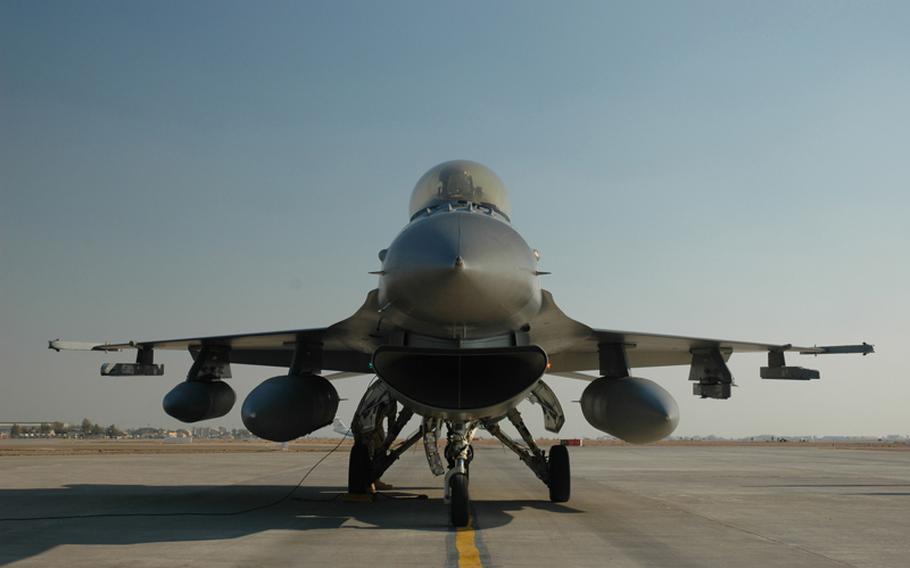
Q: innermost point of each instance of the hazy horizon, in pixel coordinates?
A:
(329, 433)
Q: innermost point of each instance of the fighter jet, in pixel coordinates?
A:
(458, 332)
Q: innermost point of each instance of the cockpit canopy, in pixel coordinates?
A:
(460, 180)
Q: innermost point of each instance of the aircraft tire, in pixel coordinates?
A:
(460, 503)
(359, 470)
(560, 479)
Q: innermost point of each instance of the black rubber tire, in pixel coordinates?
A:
(359, 470)
(459, 501)
(560, 477)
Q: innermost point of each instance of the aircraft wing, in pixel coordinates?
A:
(655, 350)
(575, 347)
(345, 346)
(250, 341)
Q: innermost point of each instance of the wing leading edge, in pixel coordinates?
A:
(346, 346)
(575, 347)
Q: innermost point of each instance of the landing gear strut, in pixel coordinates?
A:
(379, 420)
(372, 453)
(459, 454)
(552, 470)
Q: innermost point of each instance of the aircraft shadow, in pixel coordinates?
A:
(801, 485)
(33, 521)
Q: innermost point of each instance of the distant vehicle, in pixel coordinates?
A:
(459, 332)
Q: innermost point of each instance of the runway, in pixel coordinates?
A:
(631, 506)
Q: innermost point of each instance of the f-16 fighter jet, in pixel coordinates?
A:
(458, 332)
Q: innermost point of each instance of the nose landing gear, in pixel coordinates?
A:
(459, 500)
(459, 454)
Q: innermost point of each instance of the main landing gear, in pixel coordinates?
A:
(552, 469)
(560, 480)
(359, 470)
(378, 422)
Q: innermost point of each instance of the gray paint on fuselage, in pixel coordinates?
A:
(459, 273)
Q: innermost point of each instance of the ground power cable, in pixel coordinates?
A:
(274, 503)
(278, 501)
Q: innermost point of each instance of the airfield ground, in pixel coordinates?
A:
(663, 505)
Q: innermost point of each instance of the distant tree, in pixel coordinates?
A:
(87, 427)
(59, 428)
(15, 431)
(97, 430)
(113, 432)
(44, 429)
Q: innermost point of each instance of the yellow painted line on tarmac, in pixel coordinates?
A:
(466, 544)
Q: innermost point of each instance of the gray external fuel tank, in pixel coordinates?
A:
(633, 409)
(286, 407)
(192, 401)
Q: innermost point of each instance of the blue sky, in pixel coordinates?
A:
(726, 169)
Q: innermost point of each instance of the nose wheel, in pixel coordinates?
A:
(459, 500)
(459, 453)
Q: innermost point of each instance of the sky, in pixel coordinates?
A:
(720, 169)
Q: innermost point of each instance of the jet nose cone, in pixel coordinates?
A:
(459, 268)
(438, 254)
(429, 245)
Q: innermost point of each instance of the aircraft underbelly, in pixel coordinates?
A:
(460, 383)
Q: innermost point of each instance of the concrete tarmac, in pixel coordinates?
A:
(631, 506)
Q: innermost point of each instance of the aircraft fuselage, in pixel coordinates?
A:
(459, 271)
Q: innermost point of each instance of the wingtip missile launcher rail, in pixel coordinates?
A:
(777, 368)
(714, 379)
(143, 367)
(864, 348)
